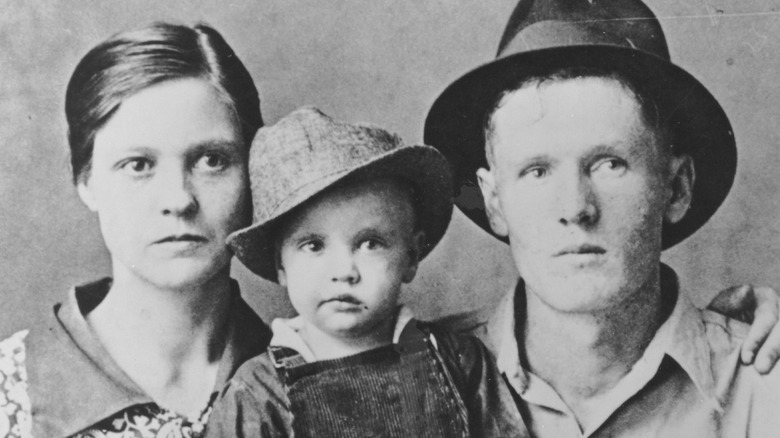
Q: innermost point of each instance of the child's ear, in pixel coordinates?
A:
(416, 247)
(281, 276)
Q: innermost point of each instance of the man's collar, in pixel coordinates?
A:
(73, 381)
(681, 337)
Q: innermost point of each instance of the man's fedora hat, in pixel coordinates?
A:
(614, 35)
(306, 152)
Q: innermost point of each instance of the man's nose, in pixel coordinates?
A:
(577, 201)
(343, 266)
(176, 192)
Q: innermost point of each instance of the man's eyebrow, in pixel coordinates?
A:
(534, 159)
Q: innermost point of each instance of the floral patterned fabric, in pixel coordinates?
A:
(15, 420)
(148, 421)
(139, 421)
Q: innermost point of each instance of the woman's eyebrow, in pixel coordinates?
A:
(220, 144)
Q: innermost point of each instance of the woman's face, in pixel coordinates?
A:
(168, 182)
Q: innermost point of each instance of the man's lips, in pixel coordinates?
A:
(584, 249)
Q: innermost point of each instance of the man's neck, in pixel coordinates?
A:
(584, 355)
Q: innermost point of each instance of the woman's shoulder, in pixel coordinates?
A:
(15, 419)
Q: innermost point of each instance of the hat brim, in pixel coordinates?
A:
(700, 127)
(421, 165)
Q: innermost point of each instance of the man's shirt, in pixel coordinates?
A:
(688, 383)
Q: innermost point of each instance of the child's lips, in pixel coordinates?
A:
(345, 300)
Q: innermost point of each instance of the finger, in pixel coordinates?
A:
(766, 317)
(770, 352)
(735, 302)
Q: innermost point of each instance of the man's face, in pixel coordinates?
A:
(581, 187)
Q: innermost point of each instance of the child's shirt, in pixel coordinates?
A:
(428, 383)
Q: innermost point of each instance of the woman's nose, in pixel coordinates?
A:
(175, 193)
(577, 201)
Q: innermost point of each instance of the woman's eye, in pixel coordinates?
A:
(212, 162)
(371, 244)
(137, 166)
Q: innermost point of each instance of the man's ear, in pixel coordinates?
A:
(86, 194)
(487, 183)
(415, 251)
(683, 177)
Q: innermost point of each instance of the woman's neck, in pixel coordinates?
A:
(169, 341)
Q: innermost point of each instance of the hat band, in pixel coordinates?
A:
(552, 34)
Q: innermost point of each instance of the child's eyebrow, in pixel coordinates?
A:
(303, 237)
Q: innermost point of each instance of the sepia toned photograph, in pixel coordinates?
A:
(533, 218)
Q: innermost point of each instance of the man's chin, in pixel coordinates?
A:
(589, 292)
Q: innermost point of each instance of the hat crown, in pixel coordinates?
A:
(544, 24)
(304, 147)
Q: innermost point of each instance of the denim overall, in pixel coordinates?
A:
(400, 390)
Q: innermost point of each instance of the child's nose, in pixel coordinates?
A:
(344, 268)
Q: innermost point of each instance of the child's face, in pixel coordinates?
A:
(345, 255)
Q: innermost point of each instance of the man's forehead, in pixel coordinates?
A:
(571, 109)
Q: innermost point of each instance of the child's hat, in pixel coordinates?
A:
(306, 152)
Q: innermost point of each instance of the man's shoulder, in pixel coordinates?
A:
(724, 334)
(725, 337)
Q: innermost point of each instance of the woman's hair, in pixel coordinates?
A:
(132, 61)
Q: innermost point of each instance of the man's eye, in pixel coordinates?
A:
(136, 166)
(610, 165)
(211, 162)
(535, 172)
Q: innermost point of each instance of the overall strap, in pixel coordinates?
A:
(284, 359)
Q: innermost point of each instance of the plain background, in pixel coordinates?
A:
(380, 61)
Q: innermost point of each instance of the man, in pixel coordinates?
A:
(599, 153)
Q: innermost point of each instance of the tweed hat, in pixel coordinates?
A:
(621, 36)
(307, 152)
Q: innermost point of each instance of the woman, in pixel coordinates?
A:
(160, 122)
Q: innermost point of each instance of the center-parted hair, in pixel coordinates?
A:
(132, 61)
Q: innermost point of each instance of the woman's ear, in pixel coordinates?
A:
(86, 194)
(416, 247)
(683, 177)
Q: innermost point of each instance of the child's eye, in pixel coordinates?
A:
(137, 166)
(311, 246)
